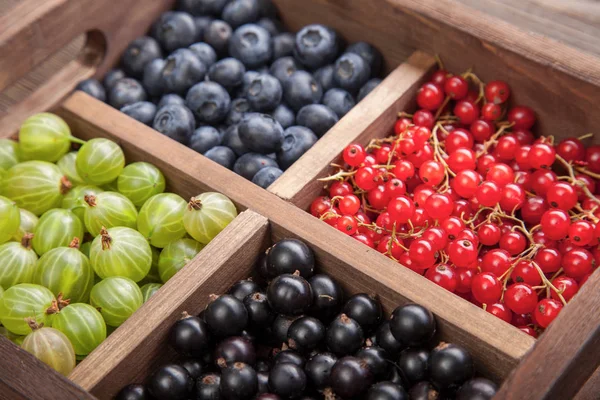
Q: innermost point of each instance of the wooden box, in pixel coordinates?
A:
(560, 83)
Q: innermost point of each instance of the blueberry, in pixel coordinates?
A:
(271, 25)
(222, 155)
(250, 163)
(217, 35)
(316, 46)
(143, 111)
(339, 101)
(301, 89)
(351, 72)
(368, 88)
(283, 45)
(369, 53)
(264, 93)
(201, 24)
(284, 116)
(228, 73)
(251, 44)
(182, 70)
(205, 53)
(152, 81)
(296, 141)
(176, 122)
(208, 101)
(202, 7)
(267, 8)
(126, 91)
(266, 176)
(324, 76)
(284, 67)
(170, 99)
(239, 12)
(249, 76)
(239, 107)
(204, 139)
(92, 87)
(317, 117)
(174, 30)
(231, 139)
(112, 77)
(261, 133)
(139, 53)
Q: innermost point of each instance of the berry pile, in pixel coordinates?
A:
(331, 348)
(463, 193)
(85, 240)
(225, 79)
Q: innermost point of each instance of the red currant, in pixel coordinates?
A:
(496, 261)
(500, 173)
(489, 234)
(391, 247)
(364, 239)
(513, 242)
(403, 169)
(402, 125)
(423, 118)
(577, 263)
(481, 130)
(541, 155)
(394, 188)
(462, 252)
(464, 279)
(566, 286)
(401, 209)
(555, 224)
(491, 112)
(522, 117)
(489, 193)
(465, 183)
(520, 298)
(440, 77)
(378, 198)
(546, 311)
(432, 173)
(513, 198)
(562, 195)
(437, 236)
(347, 224)
(525, 272)
(430, 96)
(320, 206)
(582, 232)
(365, 178)
(444, 275)
(571, 149)
(501, 311)
(453, 226)
(340, 189)
(457, 139)
(592, 157)
(466, 111)
(507, 147)
(354, 155)
(486, 288)
(533, 209)
(456, 87)
(462, 159)
(549, 260)
(421, 251)
(439, 206)
(497, 92)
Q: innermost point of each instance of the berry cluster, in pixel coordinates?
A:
(332, 349)
(463, 193)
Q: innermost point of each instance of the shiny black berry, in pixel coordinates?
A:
(267, 396)
(365, 310)
(449, 366)
(318, 369)
(288, 256)
(288, 357)
(477, 389)
(289, 294)
(238, 382)
(234, 349)
(263, 381)
(190, 336)
(208, 387)
(350, 378)
(280, 328)
(386, 391)
(194, 367)
(305, 334)
(170, 382)
(385, 339)
(133, 392)
(328, 297)
(424, 391)
(377, 361)
(413, 365)
(412, 324)
(260, 314)
(243, 288)
(344, 335)
(287, 380)
(226, 316)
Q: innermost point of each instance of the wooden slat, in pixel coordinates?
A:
(24, 377)
(372, 117)
(591, 389)
(129, 354)
(565, 356)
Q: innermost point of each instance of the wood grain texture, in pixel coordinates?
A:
(132, 351)
(372, 117)
(24, 377)
(565, 356)
(591, 388)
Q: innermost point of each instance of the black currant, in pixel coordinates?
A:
(477, 389)
(208, 387)
(412, 324)
(289, 294)
(449, 366)
(260, 314)
(288, 357)
(288, 256)
(305, 334)
(133, 392)
(261, 267)
(344, 335)
(234, 349)
(328, 297)
(263, 381)
(280, 328)
(170, 382)
(365, 310)
(396, 375)
(318, 369)
(377, 361)
(262, 366)
(243, 288)
(238, 382)
(190, 336)
(423, 391)
(287, 380)
(387, 391)
(413, 365)
(350, 377)
(226, 316)
(267, 396)
(194, 367)
(387, 341)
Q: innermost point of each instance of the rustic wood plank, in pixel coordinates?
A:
(372, 117)
(24, 377)
(591, 389)
(129, 354)
(565, 356)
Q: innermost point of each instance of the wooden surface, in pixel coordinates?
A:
(23, 377)
(133, 350)
(372, 117)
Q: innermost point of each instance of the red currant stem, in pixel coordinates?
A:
(548, 284)
(588, 213)
(586, 171)
(337, 176)
(336, 165)
(327, 215)
(538, 287)
(441, 108)
(557, 273)
(403, 114)
(493, 139)
(470, 75)
(439, 156)
(439, 62)
(586, 136)
(577, 182)
(484, 306)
